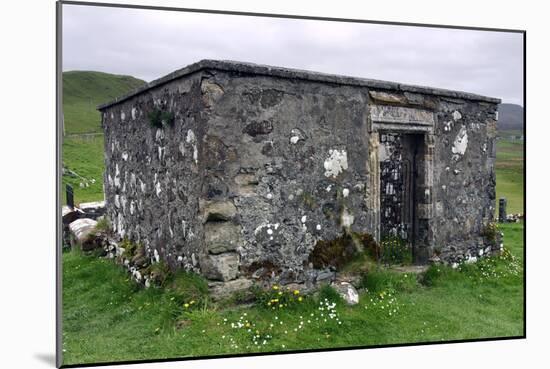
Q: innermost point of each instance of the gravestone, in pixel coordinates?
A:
(502, 210)
(70, 196)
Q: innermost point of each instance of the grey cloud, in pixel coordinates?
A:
(149, 44)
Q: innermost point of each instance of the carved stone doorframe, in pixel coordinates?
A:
(397, 119)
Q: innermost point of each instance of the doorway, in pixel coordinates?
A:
(398, 158)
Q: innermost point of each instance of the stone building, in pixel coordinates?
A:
(237, 171)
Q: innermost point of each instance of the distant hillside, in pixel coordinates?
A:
(510, 117)
(83, 91)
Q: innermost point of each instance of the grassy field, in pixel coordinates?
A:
(108, 318)
(83, 91)
(509, 173)
(84, 155)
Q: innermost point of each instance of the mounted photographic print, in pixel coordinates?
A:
(236, 184)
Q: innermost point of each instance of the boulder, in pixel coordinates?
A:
(347, 292)
(80, 229)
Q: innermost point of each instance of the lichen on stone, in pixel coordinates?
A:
(460, 143)
(336, 163)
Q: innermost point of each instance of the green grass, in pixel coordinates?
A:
(84, 155)
(108, 318)
(509, 174)
(84, 90)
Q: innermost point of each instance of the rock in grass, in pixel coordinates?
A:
(347, 292)
(80, 230)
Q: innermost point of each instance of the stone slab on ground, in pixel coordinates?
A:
(415, 269)
(80, 229)
(222, 290)
(92, 209)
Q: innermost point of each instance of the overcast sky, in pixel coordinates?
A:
(148, 44)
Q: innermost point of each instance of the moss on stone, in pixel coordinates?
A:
(159, 273)
(103, 225)
(129, 247)
(332, 253)
(160, 118)
(490, 233)
(263, 268)
(308, 200)
(342, 250)
(366, 243)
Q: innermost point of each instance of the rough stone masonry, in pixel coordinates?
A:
(236, 171)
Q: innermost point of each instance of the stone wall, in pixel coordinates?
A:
(290, 155)
(251, 167)
(464, 178)
(152, 175)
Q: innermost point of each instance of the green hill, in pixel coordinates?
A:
(84, 90)
(510, 117)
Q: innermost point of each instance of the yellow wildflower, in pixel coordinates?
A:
(186, 305)
(296, 292)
